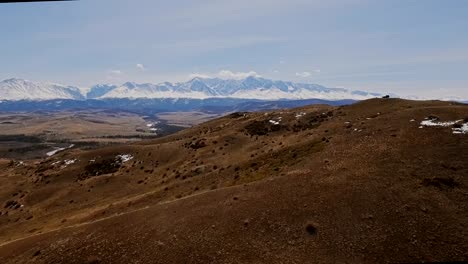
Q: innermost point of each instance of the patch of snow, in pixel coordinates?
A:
(69, 162)
(124, 158)
(461, 130)
(412, 120)
(274, 122)
(301, 114)
(153, 124)
(434, 123)
(53, 152)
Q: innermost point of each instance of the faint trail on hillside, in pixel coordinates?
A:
(125, 213)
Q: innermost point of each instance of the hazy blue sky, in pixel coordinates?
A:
(403, 46)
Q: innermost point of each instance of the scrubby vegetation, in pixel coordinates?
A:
(102, 167)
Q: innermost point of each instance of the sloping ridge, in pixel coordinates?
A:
(355, 184)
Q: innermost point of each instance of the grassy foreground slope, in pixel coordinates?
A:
(364, 183)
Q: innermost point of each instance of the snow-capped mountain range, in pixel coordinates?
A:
(197, 88)
(19, 89)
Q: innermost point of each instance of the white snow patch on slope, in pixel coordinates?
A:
(57, 150)
(124, 158)
(274, 122)
(65, 163)
(69, 162)
(456, 130)
(434, 123)
(301, 114)
(461, 130)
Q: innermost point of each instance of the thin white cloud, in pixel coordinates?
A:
(199, 75)
(115, 72)
(365, 74)
(303, 74)
(227, 74)
(203, 45)
(141, 67)
(307, 74)
(114, 76)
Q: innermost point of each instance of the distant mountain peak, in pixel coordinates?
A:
(19, 89)
(198, 79)
(130, 85)
(13, 80)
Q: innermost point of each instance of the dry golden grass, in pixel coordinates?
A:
(354, 184)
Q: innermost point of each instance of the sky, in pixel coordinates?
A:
(408, 47)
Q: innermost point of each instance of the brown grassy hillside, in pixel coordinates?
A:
(356, 184)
